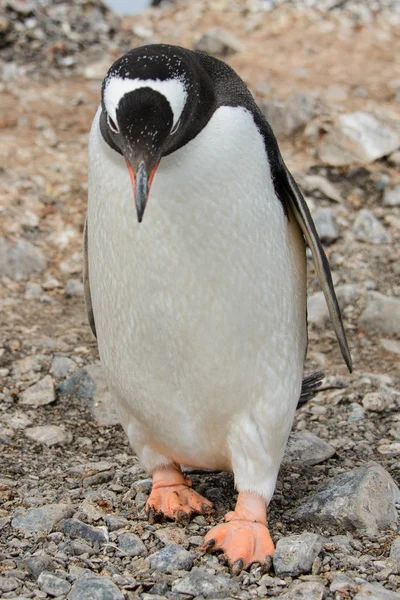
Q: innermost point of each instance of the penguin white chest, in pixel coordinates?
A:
(200, 310)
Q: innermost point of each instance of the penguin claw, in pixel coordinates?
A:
(242, 542)
(177, 502)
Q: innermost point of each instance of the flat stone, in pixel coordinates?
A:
(382, 314)
(305, 590)
(374, 401)
(326, 224)
(39, 394)
(53, 585)
(295, 554)
(358, 137)
(131, 544)
(95, 587)
(392, 346)
(218, 42)
(38, 563)
(395, 550)
(200, 582)
(49, 434)
(42, 520)
(170, 535)
(323, 185)
(62, 366)
(305, 448)
(8, 584)
(317, 308)
(90, 384)
(76, 529)
(374, 591)
(28, 368)
(115, 522)
(389, 450)
(20, 260)
(19, 420)
(367, 228)
(172, 557)
(74, 287)
(288, 116)
(363, 499)
(391, 196)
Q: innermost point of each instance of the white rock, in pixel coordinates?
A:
(391, 196)
(62, 366)
(389, 450)
(326, 224)
(374, 401)
(367, 228)
(358, 137)
(74, 287)
(382, 314)
(49, 434)
(39, 394)
(323, 185)
(295, 554)
(392, 346)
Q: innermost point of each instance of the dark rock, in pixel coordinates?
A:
(76, 529)
(363, 498)
(38, 563)
(53, 585)
(131, 544)
(95, 587)
(171, 558)
(305, 448)
(295, 554)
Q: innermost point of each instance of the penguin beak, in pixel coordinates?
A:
(141, 184)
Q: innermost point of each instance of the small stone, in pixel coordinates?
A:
(356, 412)
(28, 368)
(389, 450)
(8, 584)
(395, 550)
(115, 522)
(304, 590)
(394, 158)
(170, 535)
(367, 228)
(33, 290)
(317, 308)
(374, 401)
(92, 587)
(74, 287)
(391, 196)
(363, 499)
(382, 314)
(39, 394)
(76, 529)
(341, 583)
(374, 591)
(53, 585)
(323, 185)
(131, 544)
(42, 520)
(62, 366)
(218, 42)
(97, 70)
(51, 284)
(38, 563)
(358, 137)
(80, 547)
(326, 225)
(170, 558)
(335, 93)
(392, 346)
(305, 448)
(200, 582)
(20, 260)
(90, 384)
(49, 434)
(295, 554)
(287, 117)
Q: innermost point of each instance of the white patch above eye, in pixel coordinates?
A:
(173, 90)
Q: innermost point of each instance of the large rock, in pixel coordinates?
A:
(307, 449)
(363, 498)
(39, 394)
(41, 520)
(218, 42)
(49, 434)
(295, 554)
(367, 228)
(374, 591)
(358, 137)
(20, 260)
(89, 384)
(382, 314)
(95, 587)
(200, 582)
(288, 116)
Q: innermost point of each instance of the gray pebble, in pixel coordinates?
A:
(295, 554)
(382, 314)
(305, 448)
(374, 401)
(115, 522)
(287, 117)
(39, 394)
(95, 587)
(32, 290)
(20, 260)
(53, 585)
(367, 228)
(374, 591)
(38, 563)
(62, 366)
(391, 196)
(8, 584)
(326, 224)
(304, 590)
(200, 582)
(41, 520)
(170, 558)
(363, 498)
(74, 287)
(49, 434)
(76, 529)
(395, 550)
(131, 544)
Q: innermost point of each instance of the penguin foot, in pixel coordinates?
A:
(172, 497)
(244, 537)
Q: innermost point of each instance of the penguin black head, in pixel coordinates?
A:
(154, 100)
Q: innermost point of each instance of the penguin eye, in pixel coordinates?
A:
(112, 124)
(175, 127)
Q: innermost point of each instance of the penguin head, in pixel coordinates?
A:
(150, 97)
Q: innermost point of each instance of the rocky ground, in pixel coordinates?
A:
(72, 495)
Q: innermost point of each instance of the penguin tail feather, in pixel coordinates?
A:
(309, 387)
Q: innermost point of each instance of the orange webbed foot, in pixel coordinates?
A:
(244, 537)
(172, 497)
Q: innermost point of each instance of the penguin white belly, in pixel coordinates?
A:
(200, 310)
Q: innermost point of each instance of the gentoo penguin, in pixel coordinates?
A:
(195, 283)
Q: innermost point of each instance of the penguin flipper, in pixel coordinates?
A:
(296, 201)
(86, 282)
